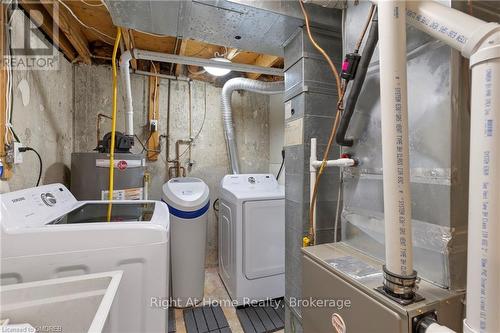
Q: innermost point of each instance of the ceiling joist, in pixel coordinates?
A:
(70, 27)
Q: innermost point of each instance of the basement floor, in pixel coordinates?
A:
(214, 290)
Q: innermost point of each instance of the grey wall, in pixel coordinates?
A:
(210, 163)
(42, 118)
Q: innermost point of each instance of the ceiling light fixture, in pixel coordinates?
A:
(218, 71)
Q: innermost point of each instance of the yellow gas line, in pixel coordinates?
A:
(113, 125)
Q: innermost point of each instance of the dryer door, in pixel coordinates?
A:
(263, 238)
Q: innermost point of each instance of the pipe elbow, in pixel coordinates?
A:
(489, 48)
(125, 59)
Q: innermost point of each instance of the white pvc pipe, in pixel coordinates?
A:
(395, 151)
(312, 180)
(129, 110)
(436, 328)
(483, 251)
(341, 162)
(481, 42)
(457, 29)
(268, 88)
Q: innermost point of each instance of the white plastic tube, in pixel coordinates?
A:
(483, 251)
(395, 151)
(341, 162)
(436, 328)
(129, 110)
(314, 164)
(268, 88)
(312, 179)
(457, 29)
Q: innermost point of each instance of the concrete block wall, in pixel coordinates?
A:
(310, 95)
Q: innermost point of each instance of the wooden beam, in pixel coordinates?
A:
(39, 16)
(182, 51)
(232, 53)
(129, 44)
(154, 112)
(263, 60)
(71, 28)
(7, 169)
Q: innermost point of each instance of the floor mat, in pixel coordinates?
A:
(206, 319)
(171, 320)
(262, 318)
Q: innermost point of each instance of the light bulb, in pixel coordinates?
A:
(218, 71)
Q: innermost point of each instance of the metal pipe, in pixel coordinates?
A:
(178, 156)
(162, 76)
(98, 125)
(201, 62)
(357, 84)
(395, 148)
(268, 88)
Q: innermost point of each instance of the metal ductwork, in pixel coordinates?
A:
(257, 26)
(268, 88)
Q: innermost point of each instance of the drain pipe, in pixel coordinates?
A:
(314, 164)
(399, 276)
(268, 88)
(129, 110)
(480, 42)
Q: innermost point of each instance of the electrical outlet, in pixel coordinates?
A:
(18, 156)
(153, 125)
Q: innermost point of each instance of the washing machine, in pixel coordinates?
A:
(252, 237)
(46, 233)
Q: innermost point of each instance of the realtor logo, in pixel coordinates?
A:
(27, 47)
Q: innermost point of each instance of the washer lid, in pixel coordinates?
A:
(186, 193)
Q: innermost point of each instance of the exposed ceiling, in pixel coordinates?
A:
(86, 34)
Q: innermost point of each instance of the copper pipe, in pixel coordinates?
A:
(98, 129)
(178, 156)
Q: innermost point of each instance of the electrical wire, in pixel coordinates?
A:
(113, 124)
(24, 149)
(86, 25)
(92, 4)
(282, 164)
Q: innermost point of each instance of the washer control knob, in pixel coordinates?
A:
(49, 199)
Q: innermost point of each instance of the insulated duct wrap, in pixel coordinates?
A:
(268, 88)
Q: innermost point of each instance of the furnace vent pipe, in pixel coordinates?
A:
(479, 41)
(129, 110)
(398, 270)
(268, 88)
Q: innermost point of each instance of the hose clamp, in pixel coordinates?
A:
(400, 286)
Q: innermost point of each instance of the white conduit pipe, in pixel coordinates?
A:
(129, 110)
(268, 88)
(480, 41)
(436, 328)
(395, 151)
(314, 164)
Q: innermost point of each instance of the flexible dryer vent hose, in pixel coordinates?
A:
(268, 88)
